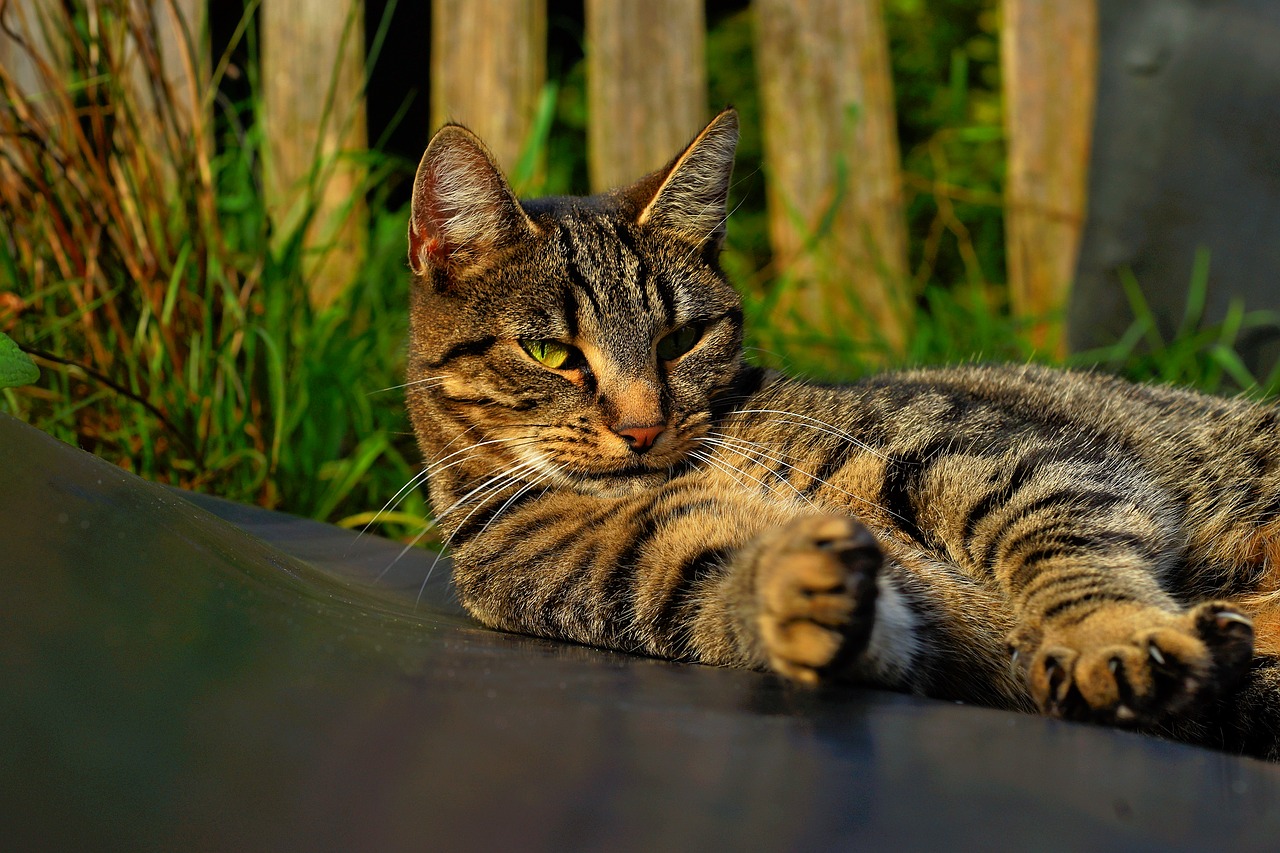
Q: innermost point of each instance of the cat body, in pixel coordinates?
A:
(607, 469)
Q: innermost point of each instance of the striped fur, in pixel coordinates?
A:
(1014, 536)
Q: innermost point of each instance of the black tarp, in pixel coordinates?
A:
(181, 673)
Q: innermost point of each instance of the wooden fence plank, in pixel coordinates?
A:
(488, 69)
(149, 50)
(28, 20)
(646, 85)
(1049, 53)
(312, 61)
(182, 33)
(834, 180)
(176, 56)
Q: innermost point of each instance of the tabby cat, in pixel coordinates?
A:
(607, 469)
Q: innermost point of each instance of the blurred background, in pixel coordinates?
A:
(204, 203)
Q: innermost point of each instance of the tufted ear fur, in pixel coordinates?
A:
(462, 206)
(692, 199)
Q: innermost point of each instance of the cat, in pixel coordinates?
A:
(607, 469)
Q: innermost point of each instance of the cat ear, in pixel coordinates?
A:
(692, 199)
(462, 206)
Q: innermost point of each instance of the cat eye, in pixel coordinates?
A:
(552, 354)
(679, 342)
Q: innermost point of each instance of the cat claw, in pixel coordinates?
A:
(1226, 617)
(1138, 665)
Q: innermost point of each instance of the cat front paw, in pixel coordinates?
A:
(816, 588)
(1138, 665)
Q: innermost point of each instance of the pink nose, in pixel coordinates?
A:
(640, 438)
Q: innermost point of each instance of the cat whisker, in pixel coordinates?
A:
(510, 479)
(759, 449)
(722, 437)
(764, 351)
(548, 467)
(427, 579)
(413, 482)
(719, 443)
(510, 441)
(495, 427)
(434, 468)
(814, 424)
(491, 486)
(733, 471)
(514, 473)
(461, 434)
(430, 381)
(516, 496)
(457, 437)
(750, 449)
(494, 484)
(431, 525)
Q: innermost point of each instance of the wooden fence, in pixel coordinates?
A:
(832, 163)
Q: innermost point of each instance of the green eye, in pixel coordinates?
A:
(552, 354)
(679, 342)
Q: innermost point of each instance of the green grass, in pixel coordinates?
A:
(1199, 354)
(965, 324)
(172, 324)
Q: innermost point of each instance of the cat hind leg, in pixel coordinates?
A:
(1132, 664)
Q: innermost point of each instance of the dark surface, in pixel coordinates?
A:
(171, 681)
(1185, 156)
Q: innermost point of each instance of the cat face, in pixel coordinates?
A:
(575, 341)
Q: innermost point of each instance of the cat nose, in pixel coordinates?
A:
(640, 438)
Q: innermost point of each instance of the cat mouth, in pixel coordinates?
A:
(621, 482)
(630, 478)
(636, 469)
(607, 467)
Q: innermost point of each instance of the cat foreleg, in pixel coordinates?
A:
(801, 598)
(691, 572)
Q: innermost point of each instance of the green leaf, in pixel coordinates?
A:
(16, 367)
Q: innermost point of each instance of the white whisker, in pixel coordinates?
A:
(433, 380)
(491, 486)
(494, 484)
(516, 496)
(719, 438)
(814, 424)
(801, 495)
(733, 471)
(435, 468)
(733, 443)
(509, 479)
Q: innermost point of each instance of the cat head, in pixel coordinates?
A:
(576, 341)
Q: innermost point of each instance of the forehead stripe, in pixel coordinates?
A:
(642, 271)
(663, 285)
(476, 347)
(569, 297)
(575, 273)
